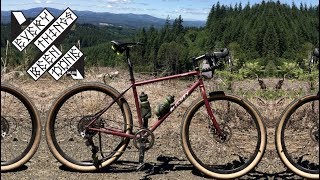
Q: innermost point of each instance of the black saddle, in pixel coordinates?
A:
(120, 47)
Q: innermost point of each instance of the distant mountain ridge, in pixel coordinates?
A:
(129, 20)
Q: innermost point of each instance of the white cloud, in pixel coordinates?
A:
(44, 2)
(118, 1)
(196, 11)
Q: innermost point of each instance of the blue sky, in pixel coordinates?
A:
(188, 9)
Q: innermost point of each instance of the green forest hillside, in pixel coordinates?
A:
(269, 35)
(268, 39)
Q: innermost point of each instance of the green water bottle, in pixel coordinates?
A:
(145, 106)
(164, 107)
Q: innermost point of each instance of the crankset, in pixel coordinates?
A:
(144, 137)
(143, 140)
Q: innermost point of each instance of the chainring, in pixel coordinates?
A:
(143, 136)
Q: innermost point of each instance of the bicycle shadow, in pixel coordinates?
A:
(287, 174)
(166, 164)
(163, 165)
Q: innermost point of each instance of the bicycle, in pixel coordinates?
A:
(105, 119)
(20, 128)
(297, 135)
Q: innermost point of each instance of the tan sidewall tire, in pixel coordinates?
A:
(218, 175)
(37, 139)
(279, 143)
(50, 143)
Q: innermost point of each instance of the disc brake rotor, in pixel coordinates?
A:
(227, 133)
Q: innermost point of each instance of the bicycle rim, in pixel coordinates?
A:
(234, 157)
(70, 114)
(20, 128)
(297, 137)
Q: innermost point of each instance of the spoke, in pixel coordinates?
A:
(71, 106)
(8, 107)
(74, 114)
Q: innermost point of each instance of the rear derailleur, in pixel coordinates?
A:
(94, 150)
(88, 135)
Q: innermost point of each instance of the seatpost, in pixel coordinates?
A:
(134, 88)
(129, 64)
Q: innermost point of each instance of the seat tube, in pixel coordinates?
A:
(136, 101)
(209, 110)
(134, 88)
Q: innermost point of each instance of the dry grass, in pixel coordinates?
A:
(44, 91)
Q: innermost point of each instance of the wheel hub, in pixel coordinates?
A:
(226, 134)
(4, 127)
(314, 133)
(84, 122)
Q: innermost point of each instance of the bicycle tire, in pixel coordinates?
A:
(25, 139)
(191, 132)
(299, 110)
(68, 156)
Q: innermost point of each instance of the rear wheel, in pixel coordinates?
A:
(297, 137)
(20, 128)
(235, 155)
(69, 115)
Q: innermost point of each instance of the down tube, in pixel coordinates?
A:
(177, 104)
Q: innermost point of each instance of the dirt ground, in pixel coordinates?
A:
(166, 160)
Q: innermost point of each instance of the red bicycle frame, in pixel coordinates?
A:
(134, 84)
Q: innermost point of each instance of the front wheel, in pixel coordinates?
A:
(236, 154)
(72, 112)
(297, 137)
